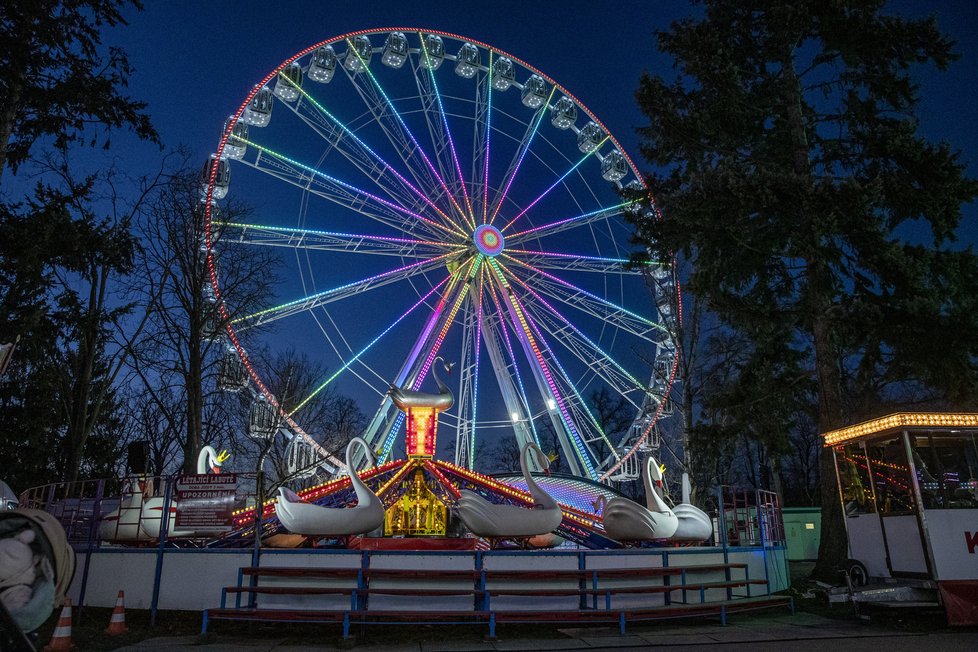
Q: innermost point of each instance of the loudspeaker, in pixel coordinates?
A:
(138, 457)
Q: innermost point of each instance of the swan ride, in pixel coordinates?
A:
(308, 519)
(494, 521)
(626, 520)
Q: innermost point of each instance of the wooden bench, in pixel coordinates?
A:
(360, 584)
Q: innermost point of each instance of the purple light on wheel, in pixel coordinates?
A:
(488, 240)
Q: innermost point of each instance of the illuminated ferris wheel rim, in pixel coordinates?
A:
(489, 241)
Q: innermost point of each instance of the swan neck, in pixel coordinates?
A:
(540, 497)
(364, 495)
(650, 493)
(202, 459)
(442, 387)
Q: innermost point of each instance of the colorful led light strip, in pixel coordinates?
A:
(356, 357)
(324, 293)
(474, 264)
(448, 132)
(475, 380)
(519, 162)
(580, 399)
(556, 279)
(485, 173)
(354, 189)
(410, 135)
(516, 237)
(564, 320)
(562, 407)
(599, 259)
(555, 184)
(337, 234)
(512, 358)
(388, 442)
(387, 166)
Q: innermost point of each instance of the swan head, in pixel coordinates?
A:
(448, 366)
(656, 471)
(218, 462)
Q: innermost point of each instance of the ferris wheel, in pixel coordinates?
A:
(432, 195)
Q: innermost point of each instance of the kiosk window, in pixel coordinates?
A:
(891, 475)
(947, 469)
(857, 490)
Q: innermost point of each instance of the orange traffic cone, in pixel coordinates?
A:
(117, 624)
(61, 639)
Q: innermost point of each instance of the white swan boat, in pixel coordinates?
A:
(509, 521)
(138, 517)
(695, 525)
(304, 518)
(626, 520)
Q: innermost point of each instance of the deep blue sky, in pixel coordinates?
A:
(196, 60)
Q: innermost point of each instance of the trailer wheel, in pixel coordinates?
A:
(857, 572)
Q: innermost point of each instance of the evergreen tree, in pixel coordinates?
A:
(790, 165)
(57, 82)
(59, 86)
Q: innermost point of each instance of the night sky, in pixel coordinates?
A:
(195, 62)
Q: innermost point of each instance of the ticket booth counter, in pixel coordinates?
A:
(909, 489)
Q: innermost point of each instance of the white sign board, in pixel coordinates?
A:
(204, 501)
(953, 535)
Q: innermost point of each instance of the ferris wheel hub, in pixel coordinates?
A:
(488, 240)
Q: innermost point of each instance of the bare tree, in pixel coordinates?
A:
(328, 417)
(179, 356)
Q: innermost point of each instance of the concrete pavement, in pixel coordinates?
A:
(748, 633)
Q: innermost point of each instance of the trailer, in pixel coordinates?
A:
(908, 483)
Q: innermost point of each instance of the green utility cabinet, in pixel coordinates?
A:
(802, 527)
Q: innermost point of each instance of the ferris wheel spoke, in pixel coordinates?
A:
(313, 240)
(499, 197)
(572, 442)
(398, 132)
(481, 131)
(468, 381)
(556, 183)
(497, 341)
(388, 418)
(339, 192)
(577, 262)
(557, 226)
(346, 364)
(582, 347)
(589, 429)
(314, 301)
(471, 270)
(590, 303)
(440, 132)
(345, 141)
